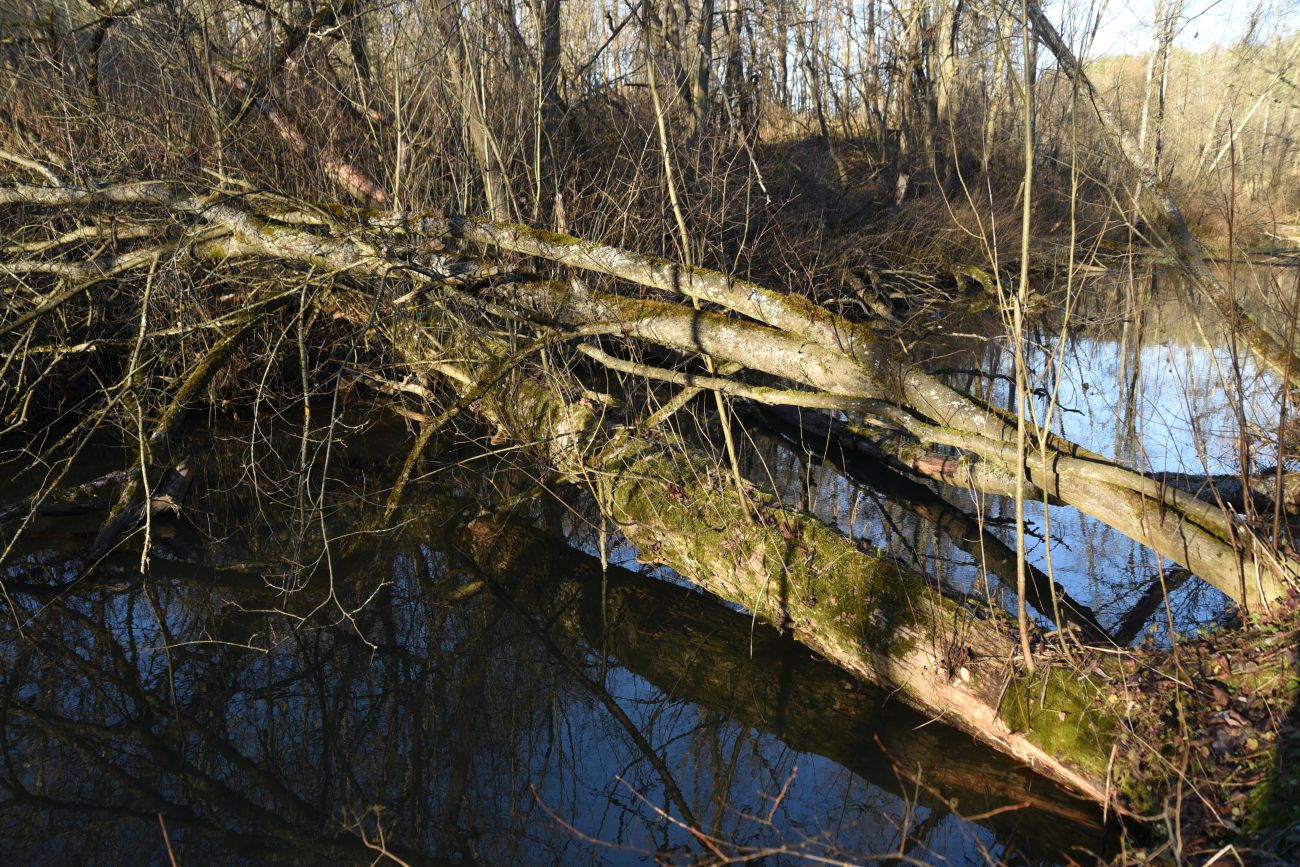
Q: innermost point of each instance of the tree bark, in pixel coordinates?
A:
(939, 650)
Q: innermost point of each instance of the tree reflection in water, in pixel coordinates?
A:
(545, 718)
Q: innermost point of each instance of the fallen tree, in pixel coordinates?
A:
(700, 649)
(814, 347)
(437, 320)
(831, 362)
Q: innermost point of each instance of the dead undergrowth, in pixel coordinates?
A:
(1217, 719)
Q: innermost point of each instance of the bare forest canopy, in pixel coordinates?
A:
(616, 241)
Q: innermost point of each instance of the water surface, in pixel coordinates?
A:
(261, 696)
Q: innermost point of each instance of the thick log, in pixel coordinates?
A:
(726, 339)
(1199, 535)
(868, 465)
(855, 607)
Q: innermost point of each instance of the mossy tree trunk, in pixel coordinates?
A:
(942, 653)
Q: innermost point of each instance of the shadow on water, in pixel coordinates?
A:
(547, 719)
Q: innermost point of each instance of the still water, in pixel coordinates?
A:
(262, 697)
(553, 719)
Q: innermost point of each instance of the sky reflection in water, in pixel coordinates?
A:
(514, 729)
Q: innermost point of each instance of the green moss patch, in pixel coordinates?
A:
(1065, 714)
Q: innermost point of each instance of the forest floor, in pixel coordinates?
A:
(1223, 725)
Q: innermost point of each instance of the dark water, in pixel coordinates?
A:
(543, 719)
(287, 685)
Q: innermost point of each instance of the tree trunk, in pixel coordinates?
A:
(939, 650)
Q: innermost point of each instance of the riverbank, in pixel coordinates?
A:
(1218, 742)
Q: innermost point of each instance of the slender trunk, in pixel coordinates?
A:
(468, 81)
(809, 51)
(701, 68)
(1018, 335)
(1153, 62)
(1169, 29)
(946, 77)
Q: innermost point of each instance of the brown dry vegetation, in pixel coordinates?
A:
(1230, 135)
(305, 244)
